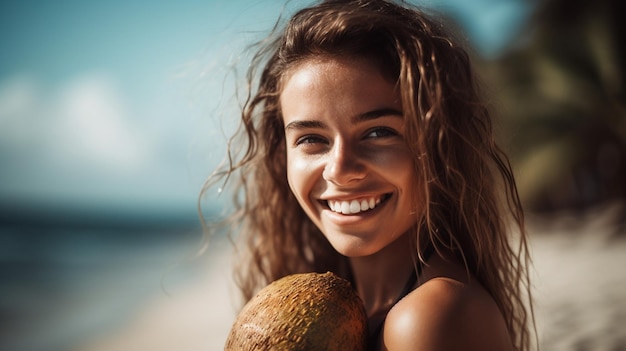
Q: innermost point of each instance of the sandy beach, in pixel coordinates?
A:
(579, 287)
(580, 282)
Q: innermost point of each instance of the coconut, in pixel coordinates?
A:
(309, 311)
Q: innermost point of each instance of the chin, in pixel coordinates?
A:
(353, 247)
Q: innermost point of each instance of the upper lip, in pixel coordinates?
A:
(350, 196)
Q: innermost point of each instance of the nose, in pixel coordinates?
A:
(344, 165)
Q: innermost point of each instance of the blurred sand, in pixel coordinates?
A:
(580, 282)
(579, 286)
(194, 316)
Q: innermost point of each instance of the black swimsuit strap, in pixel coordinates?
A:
(408, 287)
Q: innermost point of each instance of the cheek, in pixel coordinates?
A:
(399, 169)
(300, 175)
(396, 162)
(411, 180)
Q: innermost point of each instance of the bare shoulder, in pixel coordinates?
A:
(446, 314)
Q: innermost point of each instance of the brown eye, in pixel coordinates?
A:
(381, 133)
(310, 139)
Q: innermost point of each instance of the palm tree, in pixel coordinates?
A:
(563, 106)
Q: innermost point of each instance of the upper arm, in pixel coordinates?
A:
(444, 314)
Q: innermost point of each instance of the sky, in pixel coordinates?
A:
(121, 104)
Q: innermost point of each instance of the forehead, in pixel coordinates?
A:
(336, 89)
(333, 67)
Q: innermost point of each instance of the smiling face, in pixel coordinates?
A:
(347, 161)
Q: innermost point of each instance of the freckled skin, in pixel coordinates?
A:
(333, 152)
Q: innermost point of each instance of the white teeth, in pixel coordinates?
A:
(354, 206)
(345, 207)
(365, 205)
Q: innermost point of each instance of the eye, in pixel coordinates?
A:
(380, 132)
(309, 139)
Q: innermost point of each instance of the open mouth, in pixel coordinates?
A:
(355, 206)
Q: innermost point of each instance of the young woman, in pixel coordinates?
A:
(369, 152)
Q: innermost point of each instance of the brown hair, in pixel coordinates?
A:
(469, 196)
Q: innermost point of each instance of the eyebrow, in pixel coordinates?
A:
(367, 116)
(376, 114)
(298, 124)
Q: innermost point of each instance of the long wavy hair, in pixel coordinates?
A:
(469, 201)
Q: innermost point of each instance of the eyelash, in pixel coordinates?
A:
(309, 139)
(315, 139)
(387, 132)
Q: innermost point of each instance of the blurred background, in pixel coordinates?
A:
(113, 113)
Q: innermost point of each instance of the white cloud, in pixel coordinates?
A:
(94, 126)
(82, 123)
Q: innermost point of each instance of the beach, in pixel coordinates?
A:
(578, 279)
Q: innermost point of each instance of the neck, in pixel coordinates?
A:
(381, 277)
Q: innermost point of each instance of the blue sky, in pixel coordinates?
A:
(115, 103)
